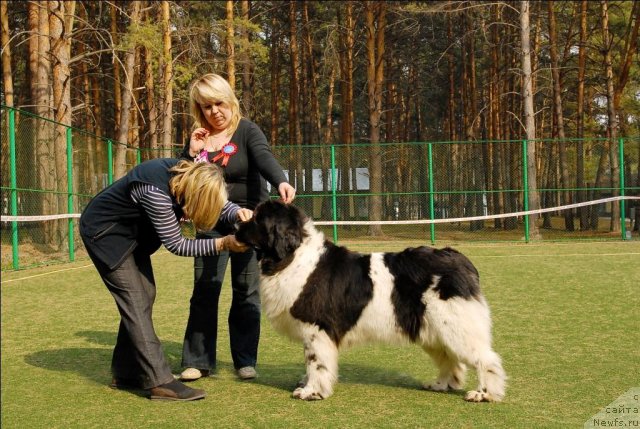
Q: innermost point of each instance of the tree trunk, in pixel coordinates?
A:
(328, 139)
(346, 89)
(375, 13)
(295, 137)
(451, 105)
(98, 127)
(248, 66)
(45, 148)
(120, 166)
(35, 163)
(167, 79)
(559, 118)
(274, 50)
(313, 102)
(229, 43)
(631, 50)
(612, 114)
(582, 59)
(529, 118)
(7, 80)
(117, 91)
(152, 109)
(477, 171)
(494, 116)
(61, 16)
(88, 160)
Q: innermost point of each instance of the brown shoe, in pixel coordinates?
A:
(175, 391)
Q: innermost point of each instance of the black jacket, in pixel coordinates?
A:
(112, 225)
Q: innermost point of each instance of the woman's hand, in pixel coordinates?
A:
(229, 242)
(287, 192)
(244, 215)
(198, 140)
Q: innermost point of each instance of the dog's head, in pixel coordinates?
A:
(276, 231)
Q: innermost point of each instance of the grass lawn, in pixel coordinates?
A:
(566, 323)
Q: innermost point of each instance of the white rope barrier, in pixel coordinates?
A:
(472, 218)
(367, 222)
(38, 218)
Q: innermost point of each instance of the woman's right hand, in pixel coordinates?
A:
(198, 141)
(229, 242)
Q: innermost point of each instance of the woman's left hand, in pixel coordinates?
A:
(244, 215)
(287, 192)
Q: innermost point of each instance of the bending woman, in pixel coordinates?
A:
(123, 226)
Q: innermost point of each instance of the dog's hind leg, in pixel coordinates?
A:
(462, 328)
(491, 378)
(452, 372)
(321, 358)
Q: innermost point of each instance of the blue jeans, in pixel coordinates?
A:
(199, 347)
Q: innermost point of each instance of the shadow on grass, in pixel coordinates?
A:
(98, 337)
(286, 376)
(93, 363)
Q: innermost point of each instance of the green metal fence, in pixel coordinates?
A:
(49, 169)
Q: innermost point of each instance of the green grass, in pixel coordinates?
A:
(565, 316)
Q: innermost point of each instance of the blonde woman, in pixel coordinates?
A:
(127, 222)
(223, 137)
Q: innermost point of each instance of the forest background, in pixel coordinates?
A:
(344, 72)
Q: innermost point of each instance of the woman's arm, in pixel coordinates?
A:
(267, 164)
(158, 207)
(261, 153)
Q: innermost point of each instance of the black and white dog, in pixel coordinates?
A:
(329, 298)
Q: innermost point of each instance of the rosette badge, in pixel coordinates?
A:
(225, 153)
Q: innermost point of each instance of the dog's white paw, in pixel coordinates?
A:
(307, 394)
(477, 396)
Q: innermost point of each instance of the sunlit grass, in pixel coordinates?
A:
(565, 322)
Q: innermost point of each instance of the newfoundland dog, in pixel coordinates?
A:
(329, 298)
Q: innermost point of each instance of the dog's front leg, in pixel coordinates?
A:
(321, 358)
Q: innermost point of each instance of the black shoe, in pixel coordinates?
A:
(175, 391)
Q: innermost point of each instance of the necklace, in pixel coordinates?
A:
(216, 142)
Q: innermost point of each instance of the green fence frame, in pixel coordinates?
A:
(432, 192)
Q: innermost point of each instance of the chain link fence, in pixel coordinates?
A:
(418, 191)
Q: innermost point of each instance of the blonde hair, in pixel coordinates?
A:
(200, 189)
(210, 89)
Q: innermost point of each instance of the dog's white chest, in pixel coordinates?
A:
(279, 292)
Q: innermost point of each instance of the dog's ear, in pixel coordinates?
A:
(283, 240)
(286, 232)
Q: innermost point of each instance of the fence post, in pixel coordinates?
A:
(72, 256)
(138, 157)
(623, 227)
(14, 186)
(432, 226)
(334, 189)
(525, 185)
(110, 161)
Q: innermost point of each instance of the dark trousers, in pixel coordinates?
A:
(138, 354)
(199, 347)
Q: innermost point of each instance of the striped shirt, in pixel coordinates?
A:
(158, 207)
